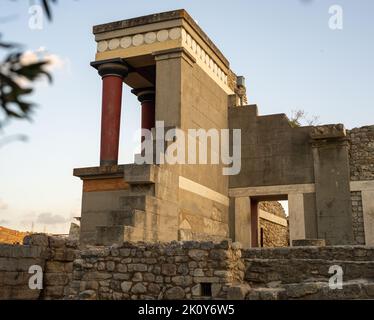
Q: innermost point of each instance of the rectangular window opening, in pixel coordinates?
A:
(206, 289)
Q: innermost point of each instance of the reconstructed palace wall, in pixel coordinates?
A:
(325, 172)
(361, 153)
(361, 162)
(182, 270)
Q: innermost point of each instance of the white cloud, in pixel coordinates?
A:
(3, 205)
(55, 62)
(3, 222)
(51, 219)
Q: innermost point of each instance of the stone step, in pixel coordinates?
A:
(350, 253)
(133, 234)
(132, 218)
(262, 271)
(140, 174)
(141, 202)
(107, 236)
(316, 290)
(149, 203)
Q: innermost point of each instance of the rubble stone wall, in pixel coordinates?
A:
(361, 162)
(305, 272)
(183, 270)
(157, 271)
(357, 218)
(273, 234)
(361, 153)
(177, 270)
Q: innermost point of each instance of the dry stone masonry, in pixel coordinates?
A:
(357, 218)
(361, 153)
(182, 270)
(157, 271)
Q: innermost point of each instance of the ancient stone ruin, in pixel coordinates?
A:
(164, 230)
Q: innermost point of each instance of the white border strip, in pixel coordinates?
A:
(272, 190)
(362, 185)
(202, 191)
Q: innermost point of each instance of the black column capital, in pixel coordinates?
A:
(145, 94)
(111, 67)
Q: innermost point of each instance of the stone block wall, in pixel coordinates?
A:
(15, 261)
(54, 255)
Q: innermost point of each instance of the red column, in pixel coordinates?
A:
(112, 72)
(148, 114)
(147, 99)
(110, 119)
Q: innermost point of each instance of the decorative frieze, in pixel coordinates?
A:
(204, 59)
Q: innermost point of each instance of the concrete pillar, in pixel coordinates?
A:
(113, 72)
(332, 181)
(240, 221)
(368, 212)
(146, 97)
(296, 216)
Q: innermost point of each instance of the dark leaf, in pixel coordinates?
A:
(33, 71)
(47, 9)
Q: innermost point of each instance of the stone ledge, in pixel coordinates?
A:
(99, 172)
(329, 131)
(140, 174)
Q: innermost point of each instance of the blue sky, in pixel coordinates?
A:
(290, 57)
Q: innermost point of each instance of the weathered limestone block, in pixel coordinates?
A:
(175, 293)
(88, 295)
(126, 286)
(138, 288)
(56, 279)
(169, 269)
(238, 292)
(36, 240)
(197, 254)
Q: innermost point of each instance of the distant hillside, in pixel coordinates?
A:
(11, 236)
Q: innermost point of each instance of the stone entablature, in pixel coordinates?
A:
(131, 38)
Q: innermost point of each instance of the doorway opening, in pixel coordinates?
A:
(269, 222)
